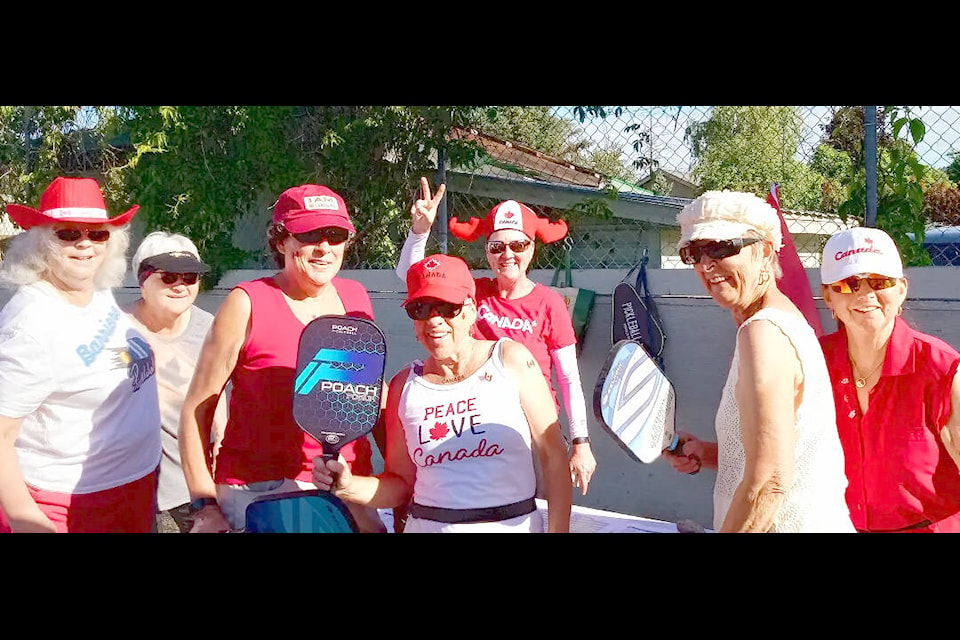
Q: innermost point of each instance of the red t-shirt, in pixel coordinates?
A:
(262, 440)
(898, 470)
(538, 320)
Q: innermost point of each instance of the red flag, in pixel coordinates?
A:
(794, 282)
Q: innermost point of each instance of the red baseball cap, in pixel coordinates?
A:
(309, 207)
(69, 200)
(440, 276)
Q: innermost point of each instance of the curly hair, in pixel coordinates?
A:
(28, 254)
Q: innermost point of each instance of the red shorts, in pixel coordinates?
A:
(128, 508)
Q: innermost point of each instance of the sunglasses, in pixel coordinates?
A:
(332, 235)
(423, 309)
(852, 284)
(718, 249)
(170, 277)
(72, 235)
(517, 246)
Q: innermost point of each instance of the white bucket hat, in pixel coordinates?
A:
(725, 215)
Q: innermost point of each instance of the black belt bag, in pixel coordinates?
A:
(488, 514)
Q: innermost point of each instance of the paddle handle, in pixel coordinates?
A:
(676, 448)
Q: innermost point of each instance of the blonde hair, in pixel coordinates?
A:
(28, 255)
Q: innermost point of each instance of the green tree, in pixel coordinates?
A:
(953, 169)
(900, 175)
(750, 148)
(197, 170)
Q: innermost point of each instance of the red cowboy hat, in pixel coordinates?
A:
(68, 200)
(510, 214)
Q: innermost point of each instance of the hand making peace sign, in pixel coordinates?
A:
(424, 210)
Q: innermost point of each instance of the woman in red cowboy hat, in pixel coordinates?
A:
(512, 305)
(79, 415)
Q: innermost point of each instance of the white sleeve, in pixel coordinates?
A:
(571, 389)
(413, 251)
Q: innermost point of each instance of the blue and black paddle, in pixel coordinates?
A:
(339, 380)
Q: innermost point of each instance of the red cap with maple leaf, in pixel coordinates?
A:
(440, 276)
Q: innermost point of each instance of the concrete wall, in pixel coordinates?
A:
(697, 354)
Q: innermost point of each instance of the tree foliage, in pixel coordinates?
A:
(750, 148)
(199, 170)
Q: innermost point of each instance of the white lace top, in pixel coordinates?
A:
(815, 501)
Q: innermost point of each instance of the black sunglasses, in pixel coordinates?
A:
(333, 235)
(423, 309)
(517, 246)
(852, 284)
(169, 277)
(72, 235)
(717, 249)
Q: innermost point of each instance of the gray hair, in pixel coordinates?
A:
(28, 255)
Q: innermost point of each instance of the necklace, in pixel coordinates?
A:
(861, 382)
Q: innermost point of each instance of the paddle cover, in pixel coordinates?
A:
(635, 402)
(633, 320)
(339, 380)
(299, 512)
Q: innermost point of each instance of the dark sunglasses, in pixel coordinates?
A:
(423, 309)
(517, 246)
(170, 277)
(72, 235)
(852, 284)
(718, 249)
(333, 235)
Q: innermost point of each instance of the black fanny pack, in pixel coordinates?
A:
(488, 514)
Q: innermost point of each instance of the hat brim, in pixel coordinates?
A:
(307, 220)
(28, 217)
(174, 264)
(440, 292)
(716, 230)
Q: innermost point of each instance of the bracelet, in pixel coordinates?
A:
(581, 440)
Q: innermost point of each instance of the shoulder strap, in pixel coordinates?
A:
(563, 277)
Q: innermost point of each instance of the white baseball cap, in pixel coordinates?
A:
(859, 250)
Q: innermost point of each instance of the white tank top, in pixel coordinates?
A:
(815, 501)
(470, 440)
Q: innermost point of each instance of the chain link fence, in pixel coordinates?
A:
(619, 176)
(668, 155)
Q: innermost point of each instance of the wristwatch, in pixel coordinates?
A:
(200, 503)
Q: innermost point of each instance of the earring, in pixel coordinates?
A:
(900, 310)
(764, 276)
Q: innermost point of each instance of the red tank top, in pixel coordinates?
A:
(262, 440)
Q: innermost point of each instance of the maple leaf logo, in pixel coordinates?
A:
(438, 431)
(508, 214)
(431, 264)
(869, 241)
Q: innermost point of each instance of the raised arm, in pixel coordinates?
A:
(422, 214)
(768, 394)
(219, 355)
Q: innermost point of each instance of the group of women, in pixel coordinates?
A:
(471, 433)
